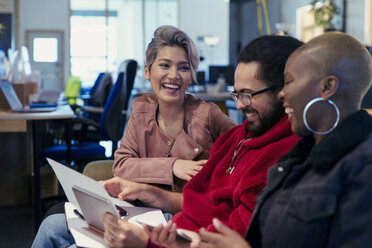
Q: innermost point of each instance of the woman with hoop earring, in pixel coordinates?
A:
(320, 193)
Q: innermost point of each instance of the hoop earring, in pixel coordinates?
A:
(307, 108)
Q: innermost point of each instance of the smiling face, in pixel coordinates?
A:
(265, 110)
(302, 83)
(170, 74)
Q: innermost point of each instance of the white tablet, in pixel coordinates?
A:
(93, 207)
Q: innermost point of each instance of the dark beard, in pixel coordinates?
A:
(267, 121)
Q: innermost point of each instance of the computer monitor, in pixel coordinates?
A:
(200, 77)
(226, 70)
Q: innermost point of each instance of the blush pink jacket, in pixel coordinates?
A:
(146, 154)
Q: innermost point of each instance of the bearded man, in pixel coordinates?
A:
(235, 173)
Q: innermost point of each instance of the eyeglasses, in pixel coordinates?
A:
(246, 98)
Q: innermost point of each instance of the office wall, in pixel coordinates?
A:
(235, 26)
(355, 18)
(207, 17)
(6, 21)
(6, 6)
(288, 10)
(354, 14)
(196, 19)
(243, 20)
(243, 23)
(45, 15)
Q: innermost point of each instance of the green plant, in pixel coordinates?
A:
(323, 12)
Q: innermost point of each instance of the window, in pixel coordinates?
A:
(45, 50)
(106, 32)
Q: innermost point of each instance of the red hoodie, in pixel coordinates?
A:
(230, 197)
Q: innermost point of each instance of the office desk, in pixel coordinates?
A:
(62, 112)
(214, 97)
(20, 155)
(217, 98)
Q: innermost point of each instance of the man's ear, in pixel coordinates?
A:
(146, 72)
(329, 86)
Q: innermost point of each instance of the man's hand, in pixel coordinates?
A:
(149, 195)
(120, 233)
(186, 169)
(165, 236)
(226, 237)
(122, 189)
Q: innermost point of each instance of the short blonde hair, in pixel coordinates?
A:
(172, 36)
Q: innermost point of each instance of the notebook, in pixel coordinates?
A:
(14, 102)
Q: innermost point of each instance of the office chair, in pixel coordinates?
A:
(95, 100)
(102, 170)
(100, 90)
(111, 127)
(82, 152)
(96, 83)
(129, 67)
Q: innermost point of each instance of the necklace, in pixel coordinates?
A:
(231, 168)
(173, 128)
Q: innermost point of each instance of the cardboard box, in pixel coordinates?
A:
(23, 91)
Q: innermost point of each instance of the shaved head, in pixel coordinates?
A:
(341, 55)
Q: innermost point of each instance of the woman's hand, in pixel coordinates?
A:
(120, 233)
(226, 237)
(165, 236)
(122, 189)
(186, 169)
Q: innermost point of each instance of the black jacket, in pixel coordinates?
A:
(319, 196)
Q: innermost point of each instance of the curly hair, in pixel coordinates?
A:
(271, 52)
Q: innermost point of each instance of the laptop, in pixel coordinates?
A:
(14, 102)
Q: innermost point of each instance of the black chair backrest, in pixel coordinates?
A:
(96, 83)
(102, 90)
(112, 118)
(129, 67)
